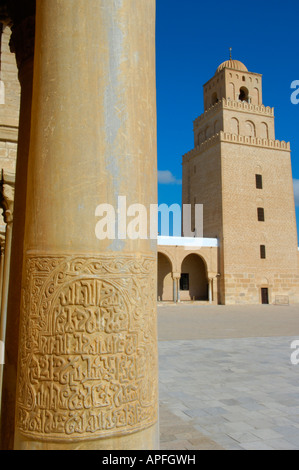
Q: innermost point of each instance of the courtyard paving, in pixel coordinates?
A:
(226, 377)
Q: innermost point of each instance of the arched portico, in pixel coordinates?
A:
(194, 284)
(165, 280)
(187, 269)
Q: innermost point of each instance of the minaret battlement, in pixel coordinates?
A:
(234, 105)
(237, 139)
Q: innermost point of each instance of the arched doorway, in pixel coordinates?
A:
(194, 283)
(165, 282)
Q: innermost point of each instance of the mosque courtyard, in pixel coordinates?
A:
(226, 378)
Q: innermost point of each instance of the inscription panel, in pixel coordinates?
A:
(88, 353)
(282, 300)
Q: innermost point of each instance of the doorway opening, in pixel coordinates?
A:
(265, 296)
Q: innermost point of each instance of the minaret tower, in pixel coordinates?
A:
(243, 177)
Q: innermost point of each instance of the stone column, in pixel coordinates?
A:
(22, 14)
(210, 290)
(178, 290)
(87, 375)
(176, 287)
(7, 204)
(215, 291)
(174, 290)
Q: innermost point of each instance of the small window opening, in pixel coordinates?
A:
(259, 181)
(184, 282)
(263, 251)
(214, 98)
(244, 94)
(261, 214)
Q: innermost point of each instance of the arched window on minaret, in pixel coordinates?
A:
(217, 127)
(244, 94)
(201, 137)
(250, 129)
(235, 126)
(264, 131)
(256, 96)
(214, 99)
(209, 132)
(232, 91)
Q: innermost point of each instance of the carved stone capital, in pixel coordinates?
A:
(176, 275)
(212, 276)
(7, 196)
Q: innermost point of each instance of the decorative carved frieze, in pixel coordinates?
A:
(88, 358)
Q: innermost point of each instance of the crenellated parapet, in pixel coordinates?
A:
(256, 141)
(248, 107)
(240, 106)
(237, 139)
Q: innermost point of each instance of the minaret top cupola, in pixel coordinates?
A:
(232, 81)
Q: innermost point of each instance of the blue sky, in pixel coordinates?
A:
(193, 38)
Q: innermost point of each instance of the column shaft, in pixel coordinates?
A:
(215, 291)
(7, 203)
(7, 190)
(174, 290)
(210, 291)
(87, 375)
(178, 290)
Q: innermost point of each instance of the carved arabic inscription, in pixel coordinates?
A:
(88, 357)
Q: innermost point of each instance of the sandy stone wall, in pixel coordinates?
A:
(244, 234)
(246, 288)
(202, 171)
